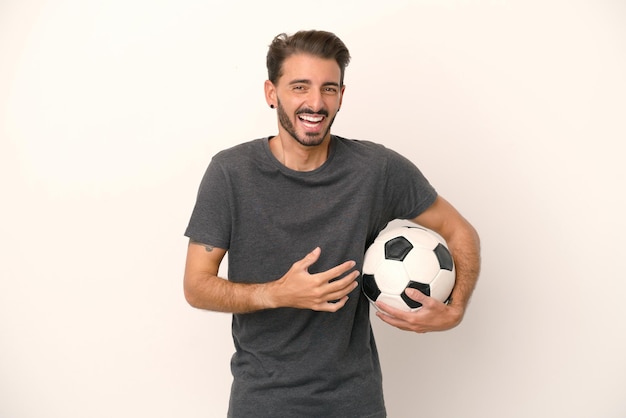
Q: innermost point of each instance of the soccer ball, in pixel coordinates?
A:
(404, 256)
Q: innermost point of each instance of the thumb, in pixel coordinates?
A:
(415, 294)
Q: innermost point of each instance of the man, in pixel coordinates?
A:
(296, 212)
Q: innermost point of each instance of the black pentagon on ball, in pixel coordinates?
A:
(370, 288)
(397, 248)
(422, 287)
(444, 257)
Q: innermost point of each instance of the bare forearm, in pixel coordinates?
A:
(217, 294)
(465, 248)
(296, 289)
(205, 290)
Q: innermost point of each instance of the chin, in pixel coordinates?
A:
(311, 141)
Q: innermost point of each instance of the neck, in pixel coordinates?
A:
(296, 156)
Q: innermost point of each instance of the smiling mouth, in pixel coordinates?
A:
(311, 121)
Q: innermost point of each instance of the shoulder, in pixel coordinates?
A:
(374, 157)
(241, 151)
(367, 151)
(359, 145)
(361, 148)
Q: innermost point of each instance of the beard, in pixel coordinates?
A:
(307, 139)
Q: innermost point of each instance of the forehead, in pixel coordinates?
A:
(311, 68)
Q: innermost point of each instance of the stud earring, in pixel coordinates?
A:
(272, 106)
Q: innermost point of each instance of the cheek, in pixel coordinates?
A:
(334, 102)
(289, 105)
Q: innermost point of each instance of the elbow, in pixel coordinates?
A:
(469, 234)
(191, 299)
(191, 294)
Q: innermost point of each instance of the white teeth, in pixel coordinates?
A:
(310, 118)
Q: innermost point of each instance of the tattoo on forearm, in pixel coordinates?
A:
(207, 247)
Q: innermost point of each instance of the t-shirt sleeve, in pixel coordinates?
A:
(210, 221)
(407, 187)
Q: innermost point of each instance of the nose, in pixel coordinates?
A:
(315, 100)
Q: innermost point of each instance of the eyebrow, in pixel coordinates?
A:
(305, 81)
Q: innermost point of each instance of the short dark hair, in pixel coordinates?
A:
(315, 42)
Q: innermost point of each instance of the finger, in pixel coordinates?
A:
(335, 305)
(399, 323)
(340, 288)
(416, 295)
(420, 297)
(337, 271)
(390, 311)
(348, 282)
(311, 258)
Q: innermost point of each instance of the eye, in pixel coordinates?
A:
(330, 90)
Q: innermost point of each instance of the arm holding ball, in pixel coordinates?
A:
(464, 245)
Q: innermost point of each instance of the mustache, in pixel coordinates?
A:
(322, 112)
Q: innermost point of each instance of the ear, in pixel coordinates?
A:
(270, 93)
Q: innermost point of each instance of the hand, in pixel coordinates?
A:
(432, 316)
(300, 289)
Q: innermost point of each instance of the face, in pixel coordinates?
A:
(308, 97)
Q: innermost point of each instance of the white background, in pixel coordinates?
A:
(111, 110)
